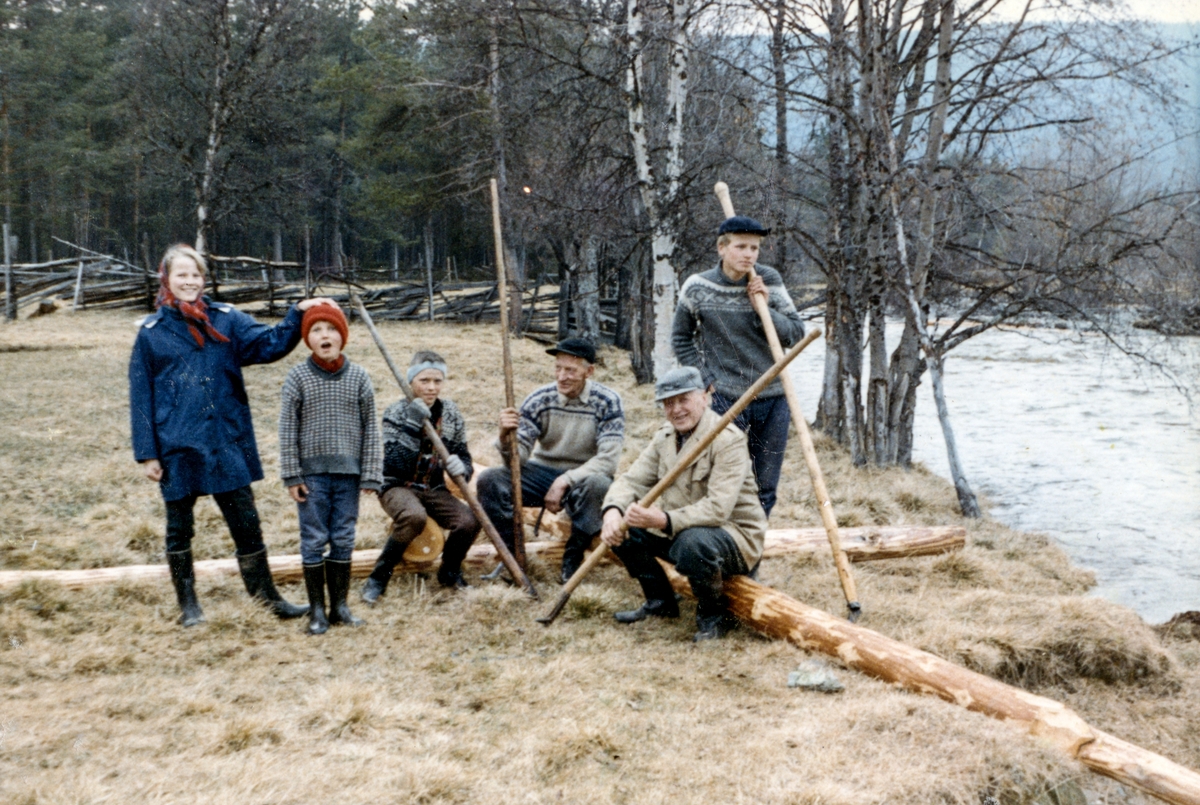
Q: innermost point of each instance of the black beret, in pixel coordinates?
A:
(579, 347)
(741, 225)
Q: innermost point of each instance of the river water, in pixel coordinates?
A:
(1065, 435)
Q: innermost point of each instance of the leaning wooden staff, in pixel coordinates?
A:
(431, 433)
(682, 464)
(514, 451)
(824, 504)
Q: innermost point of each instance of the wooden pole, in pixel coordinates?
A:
(681, 464)
(431, 433)
(10, 287)
(824, 504)
(777, 615)
(514, 450)
(874, 542)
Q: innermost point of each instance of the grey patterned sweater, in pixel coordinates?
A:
(408, 456)
(582, 436)
(717, 331)
(327, 425)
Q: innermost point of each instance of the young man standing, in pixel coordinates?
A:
(717, 331)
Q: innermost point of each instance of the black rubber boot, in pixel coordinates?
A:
(256, 574)
(314, 581)
(658, 607)
(713, 620)
(574, 553)
(376, 584)
(660, 598)
(183, 576)
(337, 576)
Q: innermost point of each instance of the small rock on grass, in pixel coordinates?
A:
(815, 675)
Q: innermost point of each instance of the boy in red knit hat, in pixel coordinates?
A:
(329, 450)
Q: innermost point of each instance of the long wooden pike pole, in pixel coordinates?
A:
(682, 464)
(431, 433)
(824, 504)
(514, 451)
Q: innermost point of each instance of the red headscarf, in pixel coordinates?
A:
(195, 314)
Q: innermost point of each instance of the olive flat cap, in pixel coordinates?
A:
(741, 225)
(678, 381)
(579, 347)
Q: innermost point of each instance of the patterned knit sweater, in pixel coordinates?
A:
(327, 425)
(583, 435)
(408, 456)
(717, 331)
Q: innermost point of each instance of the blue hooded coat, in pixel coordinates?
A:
(188, 404)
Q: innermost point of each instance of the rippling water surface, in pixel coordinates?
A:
(1067, 436)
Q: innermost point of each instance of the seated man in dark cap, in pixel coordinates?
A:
(717, 331)
(708, 523)
(569, 433)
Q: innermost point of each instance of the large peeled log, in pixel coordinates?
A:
(777, 615)
(861, 544)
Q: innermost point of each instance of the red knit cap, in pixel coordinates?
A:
(323, 312)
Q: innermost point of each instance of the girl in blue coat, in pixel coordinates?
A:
(191, 419)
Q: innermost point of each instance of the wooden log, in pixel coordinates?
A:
(862, 544)
(780, 616)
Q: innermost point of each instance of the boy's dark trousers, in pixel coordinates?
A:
(582, 504)
(765, 423)
(242, 518)
(329, 516)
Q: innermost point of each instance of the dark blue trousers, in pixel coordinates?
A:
(328, 517)
(765, 423)
(582, 501)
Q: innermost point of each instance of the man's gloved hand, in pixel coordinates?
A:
(455, 466)
(416, 413)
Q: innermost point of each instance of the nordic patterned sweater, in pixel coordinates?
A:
(582, 436)
(327, 425)
(408, 456)
(717, 331)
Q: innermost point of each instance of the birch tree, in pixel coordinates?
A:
(207, 68)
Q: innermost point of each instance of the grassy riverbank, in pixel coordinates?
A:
(463, 697)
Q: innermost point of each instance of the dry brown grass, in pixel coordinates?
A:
(463, 698)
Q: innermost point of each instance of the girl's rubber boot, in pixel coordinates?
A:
(183, 576)
(256, 575)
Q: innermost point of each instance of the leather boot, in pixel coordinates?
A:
(183, 576)
(660, 599)
(337, 576)
(573, 553)
(256, 574)
(376, 584)
(451, 578)
(314, 581)
(713, 620)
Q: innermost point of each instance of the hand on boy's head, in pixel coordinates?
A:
(299, 492)
(153, 469)
(305, 304)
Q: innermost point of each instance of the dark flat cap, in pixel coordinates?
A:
(579, 347)
(678, 381)
(741, 225)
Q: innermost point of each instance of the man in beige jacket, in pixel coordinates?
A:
(709, 523)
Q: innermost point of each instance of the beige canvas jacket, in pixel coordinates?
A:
(717, 490)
